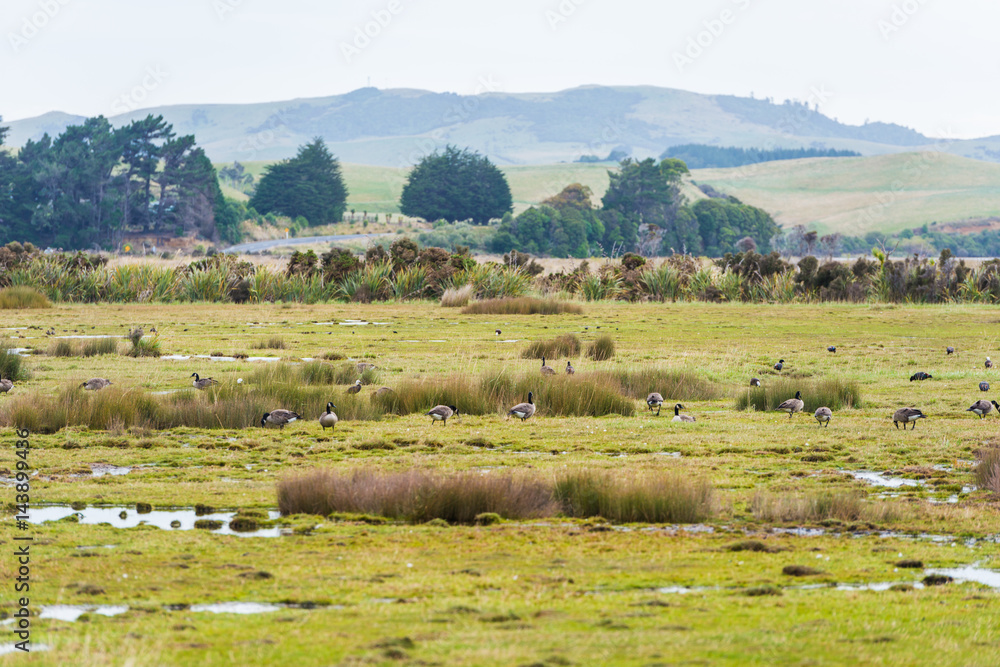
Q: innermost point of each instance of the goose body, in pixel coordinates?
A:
(654, 400)
(823, 416)
(6, 385)
(832, 348)
(546, 369)
(754, 382)
(354, 388)
(792, 405)
(920, 376)
(984, 386)
(95, 384)
(569, 368)
(983, 408)
(382, 391)
(440, 413)
(907, 415)
(778, 366)
(678, 417)
(202, 383)
(523, 410)
(329, 418)
(278, 418)
(950, 350)
(365, 366)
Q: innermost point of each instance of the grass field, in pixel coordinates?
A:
(551, 591)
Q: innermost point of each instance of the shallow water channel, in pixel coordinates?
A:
(167, 519)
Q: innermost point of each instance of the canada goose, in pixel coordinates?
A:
(678, 417)
(278, 418)
(523, 410)
(982, 408)
(95, 384)
(381, 391)
(546, 369)
(984, 386)
(498, 332)
(440, 413)
(569, 368)
(202, 383)
(354, 388)
(832, 348)
(823, 415)
(989, 364)
(6, 385)
(950, 350)
(754, 382)
(365, 366)
(779, 365)
(907, 415)
(654, 400)
(792, 405)
(328, 418)
(920, 376)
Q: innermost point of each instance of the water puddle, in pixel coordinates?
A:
(102, 469)
(978, 575)
(359, 323)
(20, 351)
(128, 517)
(684, 590)
(185, 357)
(879, 479)
(71, 612)
(236, 607)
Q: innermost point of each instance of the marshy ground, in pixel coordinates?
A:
(806, 559)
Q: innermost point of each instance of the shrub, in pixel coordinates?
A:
(987, 473)
(455, 297)
(21, 296)
(835, 394)
(602, 349)
(565, 345)
(521, 306)
(651, 497)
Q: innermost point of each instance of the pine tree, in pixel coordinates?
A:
(309, 185)
(456, 185)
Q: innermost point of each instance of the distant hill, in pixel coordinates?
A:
(396, 127)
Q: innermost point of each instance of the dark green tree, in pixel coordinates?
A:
(647, 193)
(456, 185)
(309, 185)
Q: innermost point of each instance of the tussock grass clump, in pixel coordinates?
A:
(416, 496)
(672, 384)
(987, 473)
(562, 346)
(99, 346)
(457, 297)
(602, 349)
(12, 366)
(524, 305)
(835, 394)
(62, 348)
(272, 343)
(21, 296)
(144, 347)
(843, 506)
(651, 497)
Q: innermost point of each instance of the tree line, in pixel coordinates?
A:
(703, 156)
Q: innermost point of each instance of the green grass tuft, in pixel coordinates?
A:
(562, 346)
(602, 349)
(651, 497)
(21, 296)
(521, 306)
(836, 394)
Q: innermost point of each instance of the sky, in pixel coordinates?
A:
(927, 64)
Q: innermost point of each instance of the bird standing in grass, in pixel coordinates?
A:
(907, 415)
(654, 400)
(989, 364)
(569, 368)
(329, 418)
(95, 384)
(523, 410)
(823, 416)
(778, 366)
(950, 350)
(355, 388)
(440, 413)
(202, 383)
(278, 418)
(832, 348)
(984, 386)
(678, 417)
(983, 408)
(920, 376)
(754, 382)
(792, 405)
(6, 385)
(546, 369)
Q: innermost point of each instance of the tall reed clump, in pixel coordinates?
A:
(671, 384)
(602, 349)
(987, 473)
(143, 346)
(650, 497)
(20, 297)
(12, 366)
(323, 373)
(836, 394)
(73, 406)
(62, 348)
(272, 343)
(98, 346)
(843, 506)
(564, 345)
(521, 306)
(457, 297)
(416, 496)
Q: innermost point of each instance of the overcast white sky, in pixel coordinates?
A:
(928, 64)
